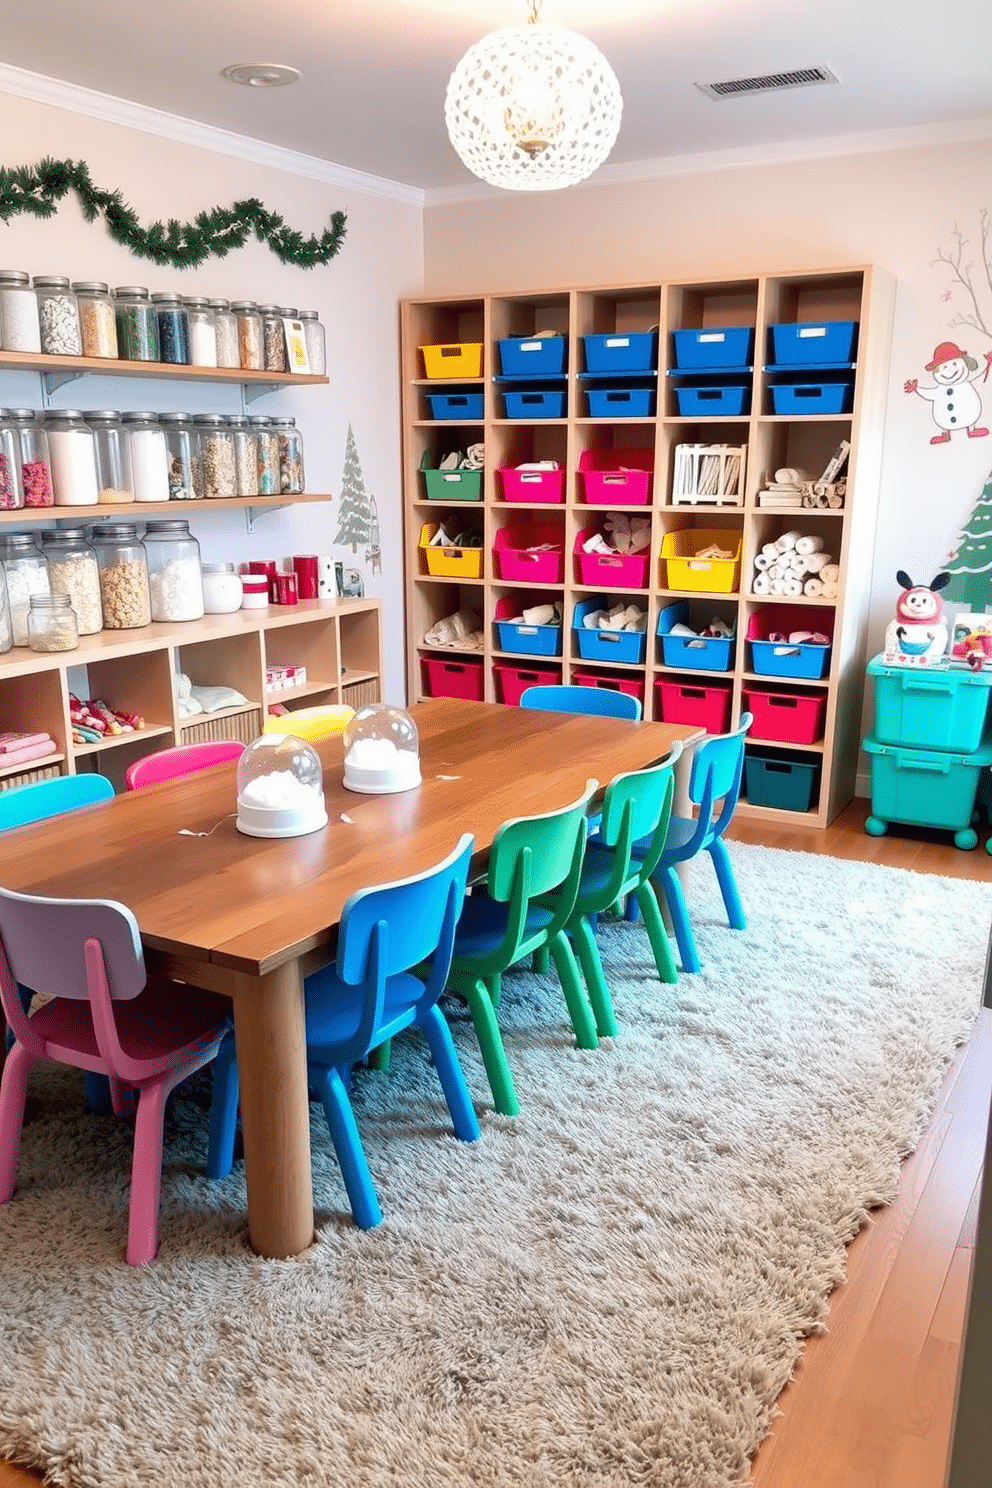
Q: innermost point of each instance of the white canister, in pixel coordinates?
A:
(255, 589)
(223, 592)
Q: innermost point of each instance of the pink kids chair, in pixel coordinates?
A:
(184, 759)
(106, 1015)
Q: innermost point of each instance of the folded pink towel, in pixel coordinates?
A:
(11, 742)
(29, 752)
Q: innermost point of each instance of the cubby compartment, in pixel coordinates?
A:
(616, 477)
(530, 465)
(783, 641)
(781, 779)
(609, 643)
(444, 480)
(432, 617)
(443, 676)
(510, 682)
(461, 557)
(620, 570)
(462, 359)
(33, 702)
(520, 631)
(697, 651)
(707, 559)
(530, 550)
(705, 705)
(795, 716)
(313, 646)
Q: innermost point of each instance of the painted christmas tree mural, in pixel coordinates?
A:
(970, 560)
(354, 511)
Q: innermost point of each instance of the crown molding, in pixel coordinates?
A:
(58, 94)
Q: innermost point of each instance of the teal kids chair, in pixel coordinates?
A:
(570, 698)
(367, 997)
(534, 871)
(714, 786)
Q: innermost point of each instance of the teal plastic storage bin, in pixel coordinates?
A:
(930, 708)
(924, 788)
(783, 780)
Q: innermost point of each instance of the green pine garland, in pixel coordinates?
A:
(38, 190)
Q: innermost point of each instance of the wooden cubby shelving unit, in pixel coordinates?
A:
(862, 294)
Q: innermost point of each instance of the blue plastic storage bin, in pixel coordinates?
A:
(925, 787)
(606, 645)
(544, 403)
(457, 405)
(812, 397)
(779, 658)
(729, 346)
(635, 351)
(814, 341)
(705, 401)
(930, 707)
(532, 356)
(527, 640)
(621, 402)
(696, 653)
(785, 781)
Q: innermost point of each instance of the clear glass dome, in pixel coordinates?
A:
(280, 788)
(381, 750)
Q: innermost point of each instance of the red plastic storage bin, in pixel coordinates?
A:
(533, 485)
(706, 707)
(616, 477)
(616, 682)
(611, 570)
(444, 678)
(512, 559)
(794, 717)
(512, 681)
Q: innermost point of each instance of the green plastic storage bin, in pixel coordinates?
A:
(450, 485)
(930, 707)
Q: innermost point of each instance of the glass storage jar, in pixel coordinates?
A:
(268, 454)
(26, 573)
(173, 330)
(222, 589)
(149, 457)
(11, 494)
(58, 315)
(6, 635)
(316, 341)
(174, 579)
(226, 332)
(20, 328)
(250, 344)
(290, 456)
(70, 443)
(217, 455)
(36, 460)
(115, 483)
(245, 455)
(137, 324)
(202, 335)
(273, 338)
(123, 566)
(52, 623)
(182, 444)
(97, 326)
(72, 570)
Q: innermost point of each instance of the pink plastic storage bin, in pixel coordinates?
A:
(513, 561)
(512, 681)
(533, 485)
(443, 678)
(603, 482)
(634, 686)
(612, 570)
(793, 717)
(706, 707)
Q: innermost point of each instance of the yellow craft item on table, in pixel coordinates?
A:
(311, 723)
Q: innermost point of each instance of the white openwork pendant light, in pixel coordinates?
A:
(533, 107)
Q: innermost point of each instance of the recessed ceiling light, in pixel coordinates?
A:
(261, 74)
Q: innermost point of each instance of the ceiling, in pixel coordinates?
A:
(371, 95)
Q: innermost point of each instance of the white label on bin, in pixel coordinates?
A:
(712, 336)
(617, 341)
(701, 567)
(529, 346)
(806, 331)
(526, 630)
(452, 477)
(530, 480)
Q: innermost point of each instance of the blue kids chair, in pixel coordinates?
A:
(367, 997)
(570, 698)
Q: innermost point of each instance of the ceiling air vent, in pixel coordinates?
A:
(770, 82)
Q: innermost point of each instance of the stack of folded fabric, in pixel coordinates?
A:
(620, 534)
(16, 749)
(542, 614)
(717, 629)
(620, 617)
(461, 632)
(472, 459)
(442, 539)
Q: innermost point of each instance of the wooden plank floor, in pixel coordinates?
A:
(872, 1400)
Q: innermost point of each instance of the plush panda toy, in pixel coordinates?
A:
(917, 636)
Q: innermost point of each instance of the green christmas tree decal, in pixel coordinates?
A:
(970, 561)
(354, 512)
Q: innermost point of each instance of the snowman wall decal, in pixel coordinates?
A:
(955, 401)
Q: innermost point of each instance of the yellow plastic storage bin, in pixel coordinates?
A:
(311, 723)
(459, 563)
(686, 568)
(462, 359)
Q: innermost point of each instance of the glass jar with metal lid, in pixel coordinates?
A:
(11, 494)
(35, 457)
(316, 341)
(173, 330)
(137, 324)
(174, 579)
(226, 332)
(245, 455)
(97, 326)
(222, 589)
(115, 483)
(149, 456)
(70, 443)
(123, 566)
(26, 573)
(202, 334)
(20, 328)
(73, 570)
(58, 316)
(273, 338)
(182, 444)
(52, 623)
(268, 454)
(217, 455)
(290, 456)
(6, 634)
(250, 343)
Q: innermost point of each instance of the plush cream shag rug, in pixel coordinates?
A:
(611, 1289)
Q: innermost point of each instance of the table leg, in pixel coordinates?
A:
(275, 1116)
